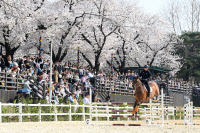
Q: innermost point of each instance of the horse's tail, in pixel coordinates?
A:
(155, 86)
(156, 90)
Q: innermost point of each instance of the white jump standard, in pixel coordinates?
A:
(154, 114)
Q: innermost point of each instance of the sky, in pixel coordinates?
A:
(152, 6)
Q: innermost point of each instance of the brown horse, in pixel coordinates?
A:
(141, 93)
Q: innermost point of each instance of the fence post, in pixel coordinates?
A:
(175, 113)
(83, 112)
(118, 118)
(185, 115)
(20, 112)
(157, 110)
(39, 112)
(107, 112)
(167, 112)
(145, 110)
(0, 114)
(150, 101)
(192, 113)
(90, 92)
(96, 113)
(55, 111)
(127, 108)
(70, 112)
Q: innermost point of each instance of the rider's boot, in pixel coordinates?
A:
(148, 93)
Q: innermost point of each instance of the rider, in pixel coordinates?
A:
(146, 74)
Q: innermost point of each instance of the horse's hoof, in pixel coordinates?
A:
(133, 115)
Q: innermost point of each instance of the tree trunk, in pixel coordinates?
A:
(97, 64)
(187, 75)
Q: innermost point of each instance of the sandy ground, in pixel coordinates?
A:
(81, 127)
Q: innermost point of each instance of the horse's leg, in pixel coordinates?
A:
(137, 106)
(157, 93)
(134, 108)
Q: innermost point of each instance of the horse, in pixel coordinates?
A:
(141, 93)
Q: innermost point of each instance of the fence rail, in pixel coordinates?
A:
(98, 111)
(11, 80)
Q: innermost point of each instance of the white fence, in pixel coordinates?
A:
(40, 114)
(171, 113)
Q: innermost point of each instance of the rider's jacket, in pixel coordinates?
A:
(145, 74)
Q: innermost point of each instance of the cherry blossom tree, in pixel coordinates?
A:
(17, 23)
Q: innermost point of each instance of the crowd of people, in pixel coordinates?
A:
(69, 81)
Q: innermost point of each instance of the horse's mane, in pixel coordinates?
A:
(141, 87)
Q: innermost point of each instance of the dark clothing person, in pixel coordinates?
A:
(131, 77)
(8, 63)
(145, 78)
(17, 99)
(27, 63)
(145, 74)
(2, 63)
(60, 68)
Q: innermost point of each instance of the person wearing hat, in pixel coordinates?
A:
(17, 98)
(145, 75)
(22, 67)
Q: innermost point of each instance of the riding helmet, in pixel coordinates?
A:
(146, 66)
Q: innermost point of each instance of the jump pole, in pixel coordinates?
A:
(162, 108)
(127, 125)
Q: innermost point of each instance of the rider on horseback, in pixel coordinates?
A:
(146, 74)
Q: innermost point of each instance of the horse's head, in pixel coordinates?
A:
(136, 82)
(136, 79)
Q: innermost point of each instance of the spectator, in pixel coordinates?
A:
(56, 100)
(46, 65)
(130, 76)
(66, 67)
(2, 63)
(86, 99)
(56, 75)
(27, 63)
(8, 62)
(66, 98)
(94, 97)
(38, 63)
(72, 98)
(22, 67)
(74, 88)
(66, 86)
(83, 79)
(17, 98)
(87, 84)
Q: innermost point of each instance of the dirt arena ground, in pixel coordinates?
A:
(81, 127)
